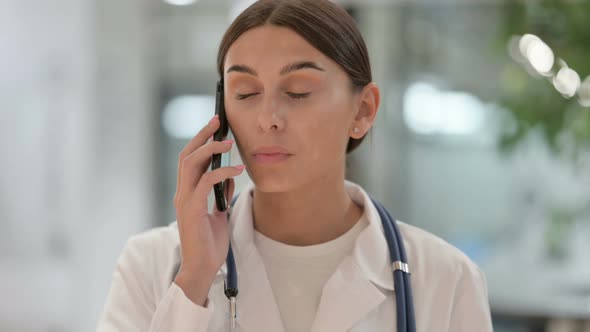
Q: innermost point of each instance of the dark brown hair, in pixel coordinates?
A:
(325, 25)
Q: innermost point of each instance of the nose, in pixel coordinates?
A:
(269, 115)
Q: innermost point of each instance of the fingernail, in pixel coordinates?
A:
(240, 167)
(228, 141)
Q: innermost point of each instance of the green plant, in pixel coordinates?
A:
(533, 102)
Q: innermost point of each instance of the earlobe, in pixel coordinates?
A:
(356, 133)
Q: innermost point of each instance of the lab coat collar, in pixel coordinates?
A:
(357, 287)
(361, 281)
(371, 252)
(256, 305)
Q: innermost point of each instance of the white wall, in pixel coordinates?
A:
(78, 151)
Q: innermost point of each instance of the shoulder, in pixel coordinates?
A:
(449, 288)
(429, 254)
(155, 240)
(157, 236)
(154, 252)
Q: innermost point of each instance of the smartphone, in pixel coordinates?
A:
(219, 160)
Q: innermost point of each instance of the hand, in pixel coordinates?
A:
(204, 237)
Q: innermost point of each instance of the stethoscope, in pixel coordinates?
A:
(401, 274)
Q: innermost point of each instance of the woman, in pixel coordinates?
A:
(309, 245)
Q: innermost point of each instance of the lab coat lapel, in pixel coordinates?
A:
(257, 309)
(256, 304)
(362, 281)
(359, 285)
(346, 299)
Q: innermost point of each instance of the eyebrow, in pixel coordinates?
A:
(284, 71)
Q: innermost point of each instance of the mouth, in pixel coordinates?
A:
(271, 158)
(271, 154)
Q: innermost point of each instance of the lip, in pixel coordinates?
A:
(271, 154)
(274, 149)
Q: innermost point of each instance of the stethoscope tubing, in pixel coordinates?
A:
(404, 300)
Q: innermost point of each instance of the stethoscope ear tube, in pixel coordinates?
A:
(404, 300)
(403, 288)
(410, 316)
(231, 282)
(406, 276)
(230, 287)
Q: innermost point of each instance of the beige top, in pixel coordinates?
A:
(298, 274)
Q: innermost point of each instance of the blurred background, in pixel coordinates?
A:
(483, 138)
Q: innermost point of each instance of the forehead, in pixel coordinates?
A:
(270, 46)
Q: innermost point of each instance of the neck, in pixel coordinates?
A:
(315, 213)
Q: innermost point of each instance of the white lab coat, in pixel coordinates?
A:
(450, 292)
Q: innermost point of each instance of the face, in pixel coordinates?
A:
(290, 107)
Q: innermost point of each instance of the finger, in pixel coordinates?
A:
(201, 138)
(196, 164)
(209, 179)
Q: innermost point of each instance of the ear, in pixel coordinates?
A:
(366, 110)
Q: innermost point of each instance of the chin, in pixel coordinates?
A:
(277, 180)
(272, 183)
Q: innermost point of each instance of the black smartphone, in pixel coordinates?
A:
(217, 159)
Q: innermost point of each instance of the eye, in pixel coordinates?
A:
(298, 95)
(244, 96)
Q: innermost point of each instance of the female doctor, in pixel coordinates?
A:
(309, 246)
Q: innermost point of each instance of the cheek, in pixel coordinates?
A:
(336, 116)
(327, 132)
(240, 125)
